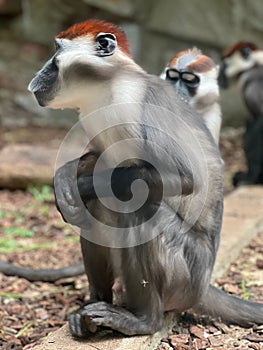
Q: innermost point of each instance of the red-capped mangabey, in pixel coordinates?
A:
(194, 77)
(243, 64)
(178, 160)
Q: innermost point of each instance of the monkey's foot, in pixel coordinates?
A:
(90, 317)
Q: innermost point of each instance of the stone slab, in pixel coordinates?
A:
(62, 339)
(242, 220)
(24, 164)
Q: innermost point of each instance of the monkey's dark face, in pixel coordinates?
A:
(194, 77)
(46, 83)
(185, 82)
(79, 64)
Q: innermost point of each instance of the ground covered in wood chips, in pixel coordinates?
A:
(32, 234)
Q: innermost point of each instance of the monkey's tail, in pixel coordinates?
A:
(230, 309)
(46, 275)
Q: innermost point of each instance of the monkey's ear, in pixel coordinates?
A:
(106, 44)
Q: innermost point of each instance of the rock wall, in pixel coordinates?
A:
(157, 29)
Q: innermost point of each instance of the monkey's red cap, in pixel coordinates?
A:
(92, 28)
(200, 63)
(229, 51)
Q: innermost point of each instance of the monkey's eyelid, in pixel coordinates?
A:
(187, 77)
(105, 35)
(190, 77)
(172, 74)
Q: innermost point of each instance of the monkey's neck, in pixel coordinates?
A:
(114, 111)
(212, 117)
(123, 88)
(209, 108)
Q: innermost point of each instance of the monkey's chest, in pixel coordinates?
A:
(117, 144)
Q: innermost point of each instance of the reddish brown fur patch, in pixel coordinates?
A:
(237, 47)
(202, 65)
(93, 27)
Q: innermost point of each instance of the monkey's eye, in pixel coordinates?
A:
(172, 74)
(106, 44)
(54, 62)
(190, 79)
(245, 52)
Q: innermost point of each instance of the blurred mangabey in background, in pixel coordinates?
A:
(243, 64)
(194, 77)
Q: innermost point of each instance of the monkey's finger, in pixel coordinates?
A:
(101, 308)
(80, 326)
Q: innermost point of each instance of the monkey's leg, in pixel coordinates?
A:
(98, 269)
(144, 313)
(99, 272)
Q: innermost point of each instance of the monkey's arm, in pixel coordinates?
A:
(122, 179)
(74, 188)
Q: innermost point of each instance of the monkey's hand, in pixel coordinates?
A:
(74, 188)
(67, 197)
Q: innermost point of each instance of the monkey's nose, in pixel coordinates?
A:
(32, 86)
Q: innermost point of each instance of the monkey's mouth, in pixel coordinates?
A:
(39, 92)
(41, 97)
(43, 94)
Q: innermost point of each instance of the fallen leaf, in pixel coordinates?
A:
(259, 263)
(216, 341)
(177, 339)
(231, 288)
(201, 344)
(254, 337)
(198, 332)
(255, 346)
